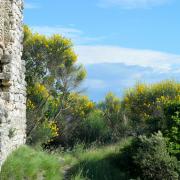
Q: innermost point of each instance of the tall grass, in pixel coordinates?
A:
(26, 163)
(100, 164)
(78, 164)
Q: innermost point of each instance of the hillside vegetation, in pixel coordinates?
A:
(94, 163)
(69, 136)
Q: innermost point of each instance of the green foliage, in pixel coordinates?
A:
(37, 105)
(113, 116)
(89, 124)
(144, 105)
(51, 61)
(52, 74)
(148, 158)
(172, 111)
(35, 55)
(111, 107)
(41, 135)
(145, 158)
(100, 163)
(95, 163)
(57, 115)
(26, 163)
(69, 121)
(93, 129)
(174, 135)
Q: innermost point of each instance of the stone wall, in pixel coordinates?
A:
(12, 78)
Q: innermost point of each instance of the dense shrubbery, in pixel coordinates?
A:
(92, 129)
(153, 108)
(148, 158)
(113, 116)
(71, 120)
(144, 105)
(52, 75)
(104, 124)
(58, 115)
(153, 159)
(172, 132)
(94, 163)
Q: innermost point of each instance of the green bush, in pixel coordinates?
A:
(172, 132)
(40, 135)
(92, 129)
(144, 105)
(113, 116)
(149, 159)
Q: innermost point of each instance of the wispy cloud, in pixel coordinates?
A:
(159, 61)
(103, 78)
(95, 54)
(31, 5)
(132, 4)
(75, 34)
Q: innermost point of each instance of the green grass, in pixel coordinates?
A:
(100, 164)
(95, 163)
(26, 163)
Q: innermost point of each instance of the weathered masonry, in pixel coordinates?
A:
(12, 78)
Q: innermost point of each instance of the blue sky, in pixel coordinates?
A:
(120, 42)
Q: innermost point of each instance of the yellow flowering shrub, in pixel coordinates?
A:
(54, 129)
(30, 105)
(145, 102)
(36, 94)
(41, 90)
(80, 106)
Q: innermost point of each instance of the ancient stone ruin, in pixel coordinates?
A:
(12, 78)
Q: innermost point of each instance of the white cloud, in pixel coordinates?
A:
(31, 5)
(76, 35)
(93, 54)
(159, 61)
(132, 4)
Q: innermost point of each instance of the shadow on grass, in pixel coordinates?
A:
(112, 167)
